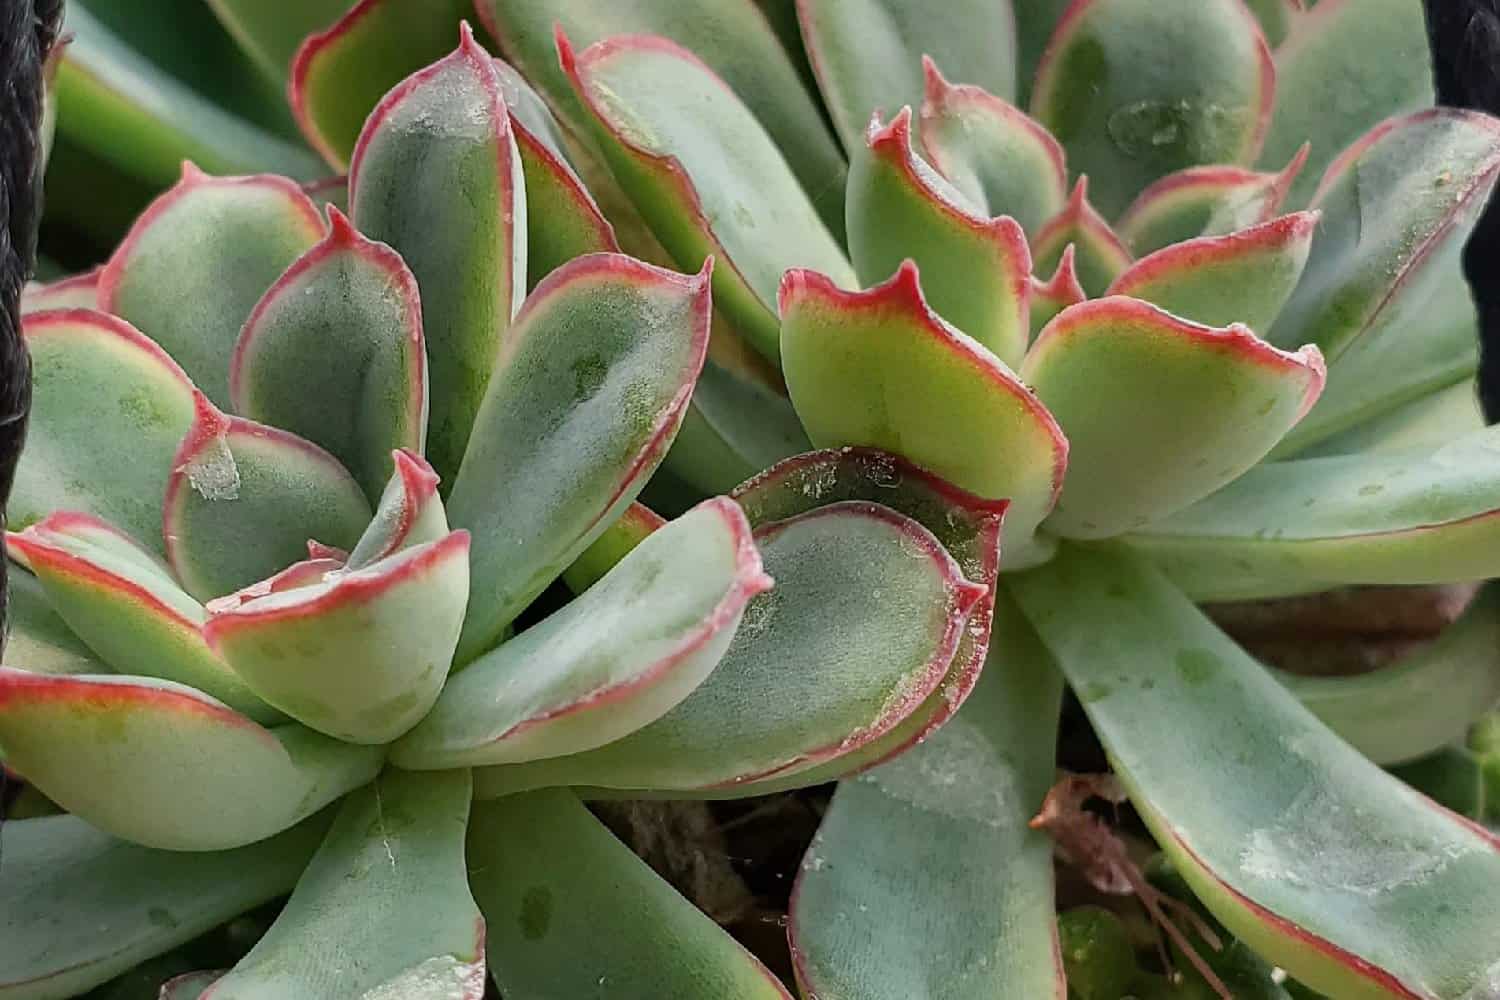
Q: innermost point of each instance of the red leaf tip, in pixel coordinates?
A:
(191, 174)
(567, 56)
(897, 132)
(341, 231)
(1064, 286)
(209, 424)
(418, 477)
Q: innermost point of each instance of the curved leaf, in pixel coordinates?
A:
(616, 659)
(587, 394)
(108, 409)
(196, 262)
(1100, 256)
(633, 527)
(1244, 277)
(1186, 204)
(409, 513)
(812, 674)
(1220, 399)
(977, 268)
(1324, 864)
(1137, 89)
(436, 174)
(1063, 289)
(78, 291)
(1433, 419)
(164, 766)
(733, 37)
(886, 903)
(271, 34)
(333, 352)
(243, 499)
(1421, 515)
(361, 654)
(703, 172)
(39, 640)
(573, 912)
(1002, 160)
(881, 369)
(127, 609)
(383, 910)
(1329, 90)
(81, 907)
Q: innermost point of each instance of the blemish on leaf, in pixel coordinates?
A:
(1197, 665)
(213, 473)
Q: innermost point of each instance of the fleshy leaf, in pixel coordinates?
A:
(383, 910)
(733, 37)
(196, 262)
(409, 513)
(573, 912)
(165, 766)
(616, 659)
(1422, 515)
(1310, 854)
(1276, 17)
(108, 409)
(977, 268)
(122, 603)
(588, 392)
(361, 654)
(1100, 256)
(340, 73)
(1244, 277)
(436, 174)
(1433, 419)
(1220, 399)
(1063, 289)
(703, 172)
(816, 670)
(881, 369)
(1137, 89)
(1002, 160)
(887, 906)
(333, 352)
(633, 527)
(1421, 703)
(1328, 88)
(243, 499)
(39, 639)
(271, 35)
(189, 985)
(80, 907)
(78, 291)
(1186, 204)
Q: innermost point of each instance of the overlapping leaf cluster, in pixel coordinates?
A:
(1191, 325)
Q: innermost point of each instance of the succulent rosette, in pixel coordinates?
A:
(1190, 326)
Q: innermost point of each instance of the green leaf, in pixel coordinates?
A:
(1063, 289)
(1276, 17)
(881, 369)
(732, 36)
(141, 119)
(887, 905)
(1100, 255)
(1244, 277)
(1186, 204)
(633, 527)
(39, 640)
(343, 71)
(108, 409)
(1453, 777)
(1324, 864)
(1036, 20)
(243, 499)
(409, 513)
(270, 34)
(384, 908)
(999, 157)
(125, 606)
(333, 352)
(1420, 703)
(573, 912)
(1137, 89)
(165, 766)
(978, 268)
(616, 659)
(1329, 90)
(80, 907)
(704, 173)
(1220, 398)
(816, 671)
(436, 175)
(587, 393)
(1433, 419)
(1422, 515)
(196, 262)
(78, 291)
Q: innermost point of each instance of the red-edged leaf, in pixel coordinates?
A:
(1100, 254)
(78, 291)
(409, 513)
(1063, 289)
(629, 530)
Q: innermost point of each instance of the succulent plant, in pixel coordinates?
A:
(1192, 327)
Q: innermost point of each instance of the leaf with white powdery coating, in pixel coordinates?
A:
(587, 394)
(108, 409)
(616, 659)
(1195, 200)
(1310, 854)
(436, 174)
(333, 352)
(165, 766)
(199, 258)
(383, 911)
(39, 640)
(1220, 400)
